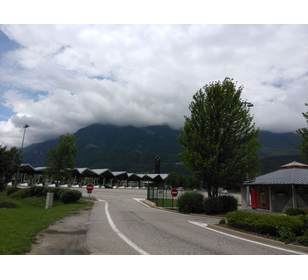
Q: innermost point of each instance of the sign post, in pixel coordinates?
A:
(90, 187)
(174, 193)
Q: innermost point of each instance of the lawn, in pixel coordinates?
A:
(166, 203)
(19, 226)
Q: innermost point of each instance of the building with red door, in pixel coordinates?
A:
(279, 190)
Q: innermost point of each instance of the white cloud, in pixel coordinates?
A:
(64, 77)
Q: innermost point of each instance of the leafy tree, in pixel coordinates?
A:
(172, 179)
(61, 159)
(303, 132)
(219, 139)
(10, 161)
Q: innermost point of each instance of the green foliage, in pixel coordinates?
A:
(6, 202)
(304, 239)
(11, 190)
(295, 211)
(303, 132)
(70, 196)
(219, 139)
(286, 234)
(264, 223)
(213, 205)
(190, 202)
(21, 194)
(10, 161)
(38, 191)
(229, 203)
(61, 159)
(56, 193)
(222, 221)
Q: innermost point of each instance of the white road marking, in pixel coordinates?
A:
(115, 229)
(259, 243)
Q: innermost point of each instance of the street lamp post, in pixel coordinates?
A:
(247, 104)
(22, 145)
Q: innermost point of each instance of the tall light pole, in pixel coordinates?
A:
(22, 145)
(247, 104)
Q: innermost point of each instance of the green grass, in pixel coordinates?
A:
(166, 203)
(19, 226)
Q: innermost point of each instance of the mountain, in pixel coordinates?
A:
(133, 149)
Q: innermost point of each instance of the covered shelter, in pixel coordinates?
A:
(279, 190)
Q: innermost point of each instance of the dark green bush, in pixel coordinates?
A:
(286, 234)
(264, 223)
(11, 190)
(21, 194)
(295, 211)
(56, 192)
(6, 202)
(229, 203)
(212, 205)
(304, 239)
(190, 202)
(70, 196)
(304, 218)
(222, 221)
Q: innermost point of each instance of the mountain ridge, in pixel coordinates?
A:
(133, 149)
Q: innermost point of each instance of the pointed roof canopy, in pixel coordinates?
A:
(294, 164)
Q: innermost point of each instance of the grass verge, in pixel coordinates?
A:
(19, 226)
(166, 202)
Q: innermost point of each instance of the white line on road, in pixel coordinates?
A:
(259, 243)
(115, 229)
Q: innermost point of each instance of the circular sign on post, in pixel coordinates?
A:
(174, 192)
(90, 187)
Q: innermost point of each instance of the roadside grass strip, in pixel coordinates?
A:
(203, 225)
(121, 235)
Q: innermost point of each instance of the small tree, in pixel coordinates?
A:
(219, 139)
(61, 159)
(10, 161)
(303, 132)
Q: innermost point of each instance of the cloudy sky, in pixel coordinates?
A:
(60, 78)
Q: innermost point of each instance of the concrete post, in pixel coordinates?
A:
(49, 200)
(294, 197)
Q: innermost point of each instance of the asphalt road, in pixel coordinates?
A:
(119, 224)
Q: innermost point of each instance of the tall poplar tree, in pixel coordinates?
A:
(303, 132)
(61, 160)
(219, 138)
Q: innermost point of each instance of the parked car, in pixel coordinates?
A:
(108, 186)
(180, 189)
(224, 192)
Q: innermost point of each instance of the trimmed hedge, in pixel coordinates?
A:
(229, 203)
(213, 205)
(264, 223)
(190, 202)
(11, 190)
(21, 194)
(70, 196)
(295, 211)
(6, 202)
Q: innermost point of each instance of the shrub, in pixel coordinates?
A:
(222, 221)
(264, 223)
(303, 218)
(6, 202)
(21, 194)
(286, 234)
(294, 211)
(212, 205)
(70, 196)
(56, 192)
(190, 202)
(304, 238)
(11, 190)
(229, 203)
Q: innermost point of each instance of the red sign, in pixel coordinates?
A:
(174, 192)
(90, 187)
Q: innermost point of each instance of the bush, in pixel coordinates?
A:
(56, 192)
(21, 194)
(304, 218)
(212, 205)
(295, 211)
(70, 196)
(264, 223)
(222, 221)
(229, 203)
(304, 238)
(286, 234)
(6, 202)
(190, 202)
(11, 190)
